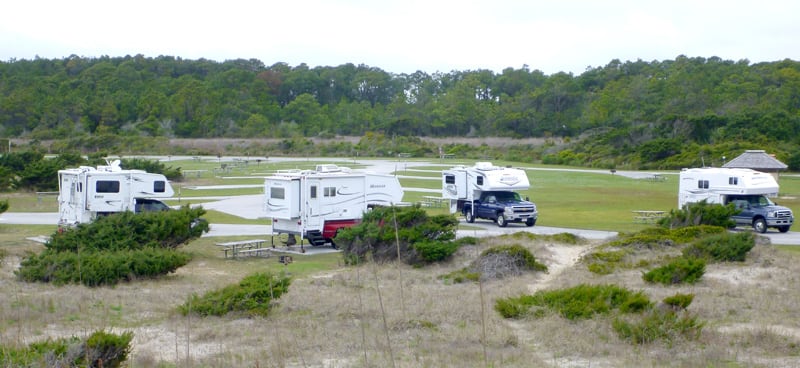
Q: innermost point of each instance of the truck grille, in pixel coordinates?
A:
(524, 209)
(782, 214)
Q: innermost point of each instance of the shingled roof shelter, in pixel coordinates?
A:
(757, 160)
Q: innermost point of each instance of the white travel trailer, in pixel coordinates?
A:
(747, 189)
(86, 192)
(488, 191)
(315, 204)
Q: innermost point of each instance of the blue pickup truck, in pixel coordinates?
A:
(501, 207)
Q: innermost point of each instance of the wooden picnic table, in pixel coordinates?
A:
(433, 201)
(245, 247)
(647, 216)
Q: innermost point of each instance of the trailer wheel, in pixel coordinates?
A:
(501, 220)
(469, 216)
(784, 229)
(760, 225)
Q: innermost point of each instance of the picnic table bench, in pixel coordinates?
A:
(253, 247)
(647, 216)
(433, 201)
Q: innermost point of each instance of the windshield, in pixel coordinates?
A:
(507, 197)
(750, 200)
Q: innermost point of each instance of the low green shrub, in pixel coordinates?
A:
(417, 237)
(461, 276)
(724, 247)
(114, 248)
(567, 238)
(128, 230)
(100, 349)
(505, 261)
(679, 301)
(579, 302)
(253, 296)
(700, 213)
(519, 254)
(658, 325)
(435, 251)
(100, 267)
(680, 270)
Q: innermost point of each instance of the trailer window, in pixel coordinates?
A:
(733, 180)
(330, 191)
(107, 186)
(702, 184)
(159, 186)
(480, 180)
(313, 191)
(80, 187)
(277, 193)
(449, 179)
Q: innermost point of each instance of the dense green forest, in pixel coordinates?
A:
(635, 114)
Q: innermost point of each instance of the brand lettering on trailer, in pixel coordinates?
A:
(377, 185)
(509, 179)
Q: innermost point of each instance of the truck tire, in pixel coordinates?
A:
(784, 229)
(759, 225)
(501, 220)
(469, 216)
(530, 222)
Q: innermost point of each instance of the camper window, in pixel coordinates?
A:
(733, 180)
(480, 180)
(330, 192)
(277, 193)
(313, 191)
(107, 186)
(159, 186)
(449, 179)
(702, 184)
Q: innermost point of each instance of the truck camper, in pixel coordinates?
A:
(315, 204)
(85, 193)
(747, 189)
(489, 192)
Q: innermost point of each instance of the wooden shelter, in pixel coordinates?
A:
(758, 160)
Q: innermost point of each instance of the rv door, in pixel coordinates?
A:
(313, 196)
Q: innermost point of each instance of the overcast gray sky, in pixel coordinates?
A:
(409, 35)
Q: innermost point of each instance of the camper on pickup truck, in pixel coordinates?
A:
(87, 192)
(748, 190)
(489, 192)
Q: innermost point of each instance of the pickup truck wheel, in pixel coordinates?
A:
(501, 221)
(469, 216)
(760, 225)
(530, 222)
(784, 229)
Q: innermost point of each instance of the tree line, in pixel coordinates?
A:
(635, 111)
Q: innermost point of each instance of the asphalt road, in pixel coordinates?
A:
(487, 228)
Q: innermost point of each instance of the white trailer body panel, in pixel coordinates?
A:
(302, 201)
(86, 192)
(713, 184)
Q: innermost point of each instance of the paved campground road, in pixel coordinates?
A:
(483, 228)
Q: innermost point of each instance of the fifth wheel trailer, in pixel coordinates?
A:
(315, 204)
